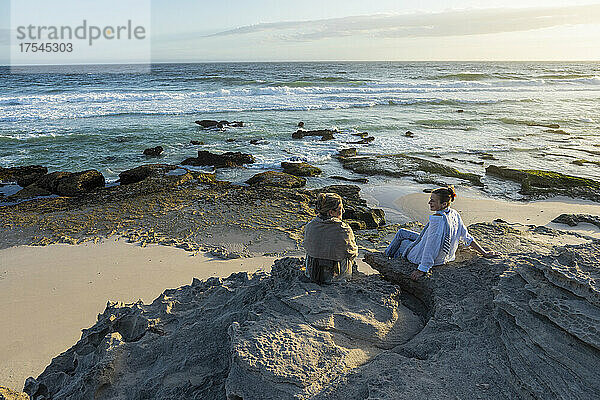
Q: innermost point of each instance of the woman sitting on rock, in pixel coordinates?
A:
(329, 242)
(438, 241)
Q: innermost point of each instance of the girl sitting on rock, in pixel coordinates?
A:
(438, 241)
(329, 242)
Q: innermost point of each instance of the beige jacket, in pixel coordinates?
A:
(331, 239)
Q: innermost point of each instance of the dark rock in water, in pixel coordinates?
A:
(326, 134)
(153, 152)
(551, 126)
(300, 124)
(582, 162)
(544, 183)
(460, 111)
(278, 179)
(229, 159)
(398, 165)
(361, 135)
(24, 176)
(207, 123)
(197, 142)
(575, 219)
(351, 152)
(487, 156)
(258, 141)
(357, 180)
(556, 131)
(356, 208)
(300, 169)
(230, 140)
(366, 140)
(409, 134)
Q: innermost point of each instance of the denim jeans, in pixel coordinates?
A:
(401, 241)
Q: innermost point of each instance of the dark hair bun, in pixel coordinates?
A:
(451, 192)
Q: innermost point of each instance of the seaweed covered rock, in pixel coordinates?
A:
(208, 123)
(398, 165)
(278, 179)
(300, 169)
(63, 184)
(538, 183)
(163, 175)
(23, 176)
(228, 159)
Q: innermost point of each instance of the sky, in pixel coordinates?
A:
(359, 30)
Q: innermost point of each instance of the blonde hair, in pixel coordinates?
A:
(327, 202)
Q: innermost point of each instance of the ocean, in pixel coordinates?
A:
(457, 111)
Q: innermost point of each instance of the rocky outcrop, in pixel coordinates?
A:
(208, 123)
(523, 327)
(398, 165)
(63, 184)
(229, 159)
(153, 152)
(300, 169)
(576, 219)
(537, 183)
(152, 177)
(278, 179)
(23, 176)
(350, 152)
(267, 336)
(326, 134)
(365, 140)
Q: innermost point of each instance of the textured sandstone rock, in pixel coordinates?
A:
(524, 326)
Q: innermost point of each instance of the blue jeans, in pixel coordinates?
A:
(401, 241)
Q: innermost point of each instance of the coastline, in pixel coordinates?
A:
(56, 275)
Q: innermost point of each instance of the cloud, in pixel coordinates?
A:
(450, 23)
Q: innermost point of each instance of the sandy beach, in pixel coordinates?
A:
(48, 294)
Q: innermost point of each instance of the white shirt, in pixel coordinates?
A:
(427, 252)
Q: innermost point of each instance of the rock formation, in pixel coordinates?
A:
(63, 184)
(326, 134)
(228, 159)
(524, 326)
(538, 183)
(153, 152)
(278, 179)
(300, 169)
